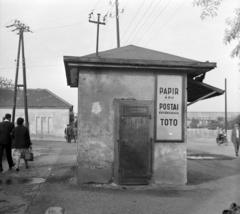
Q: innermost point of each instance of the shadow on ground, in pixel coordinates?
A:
(206, 167)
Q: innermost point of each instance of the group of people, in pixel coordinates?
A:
(15, 141)
(70, 133)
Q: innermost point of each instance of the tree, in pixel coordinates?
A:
(6, 83)
(232, 32)
(234, 121)
(194, 123)
(220, 119)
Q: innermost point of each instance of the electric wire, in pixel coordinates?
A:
(141, 20)
(96, 5)
(4, 28)
(7, 24)
(105, 32)
(154, 20)
(30, 66)
(167, 21)
(152, 14)
(31, 59)
(107, 24)
(52, 28)
(132, 20)
(54, 20)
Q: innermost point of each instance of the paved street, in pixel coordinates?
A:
(213, 184)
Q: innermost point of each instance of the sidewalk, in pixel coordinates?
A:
(51, 182)
(18, 189)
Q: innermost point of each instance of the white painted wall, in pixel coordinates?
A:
(43, 123)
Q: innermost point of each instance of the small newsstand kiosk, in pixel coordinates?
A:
(132, 112)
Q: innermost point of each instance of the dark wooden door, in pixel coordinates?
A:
(134, 145)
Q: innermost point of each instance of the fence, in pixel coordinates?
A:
(204, 133)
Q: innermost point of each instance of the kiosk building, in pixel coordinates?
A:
(132, 114)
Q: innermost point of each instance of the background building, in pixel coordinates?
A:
(207, 117)
(48, 114)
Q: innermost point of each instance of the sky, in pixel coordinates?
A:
(61, 28)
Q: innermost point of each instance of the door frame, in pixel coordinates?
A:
(118, 103)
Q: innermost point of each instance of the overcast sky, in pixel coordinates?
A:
(61, 28)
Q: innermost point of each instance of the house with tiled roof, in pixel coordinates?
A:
(48, 113)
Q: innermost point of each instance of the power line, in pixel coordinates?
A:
(105, 29)
(136, 25)
(35, 66)
(167, 21)
(7, 24)
(132, 19)
(32, 59)
(54, 20)
(154, 21)
(41, 30)
(51, 28)
(105, 33)
(96, 5)
(150, 14)
(141, 20)
(59, 20)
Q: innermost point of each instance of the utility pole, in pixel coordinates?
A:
(21, 28)
(117, 24)
(98, 23)
(226, 105)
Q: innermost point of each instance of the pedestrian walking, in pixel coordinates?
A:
(65, 133)
(21, 142)
(69, 133)
(75, 134)
(235, 138)
(6, 128)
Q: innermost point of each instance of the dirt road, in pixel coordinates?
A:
(213, 184)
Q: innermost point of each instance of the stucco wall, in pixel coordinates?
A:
(170, 163)
(97, 91)
(170, 159)
(54, 127)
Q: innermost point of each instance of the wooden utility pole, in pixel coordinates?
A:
(21, 28)
(98, 23)
(117, 24)
(16, 80)
(24, 83)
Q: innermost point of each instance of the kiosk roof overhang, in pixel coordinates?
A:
(133, 57)
(199, 91)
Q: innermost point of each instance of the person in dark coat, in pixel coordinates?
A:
(21, 142)
(6, 128)
(235, 138)
(69, 132)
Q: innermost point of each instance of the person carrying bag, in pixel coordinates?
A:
(29, 155)
(21, 144)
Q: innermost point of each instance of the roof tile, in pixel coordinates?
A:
(35, 98)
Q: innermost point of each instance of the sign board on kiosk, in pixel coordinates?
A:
(169, 108)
